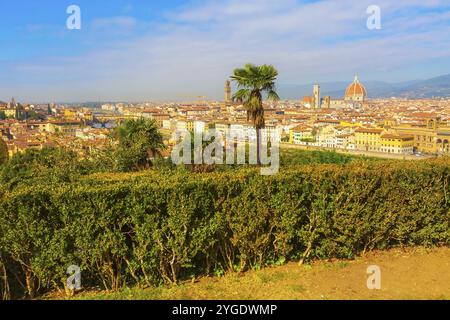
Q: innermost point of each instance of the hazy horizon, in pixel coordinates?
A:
(283, 87)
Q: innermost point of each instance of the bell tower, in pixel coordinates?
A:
(227, 91)
(316, 96)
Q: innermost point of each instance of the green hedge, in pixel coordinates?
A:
(151, 228)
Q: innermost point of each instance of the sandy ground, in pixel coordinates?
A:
(413, 273)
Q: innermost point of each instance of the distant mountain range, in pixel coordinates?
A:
(438, 87)
(435, 87)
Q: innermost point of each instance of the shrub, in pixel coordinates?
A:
(155, 227)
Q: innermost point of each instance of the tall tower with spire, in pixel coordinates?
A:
(227, 91)
(316, 96)
(13, 103)
(19, 111)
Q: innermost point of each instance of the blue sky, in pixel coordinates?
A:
(165, 50)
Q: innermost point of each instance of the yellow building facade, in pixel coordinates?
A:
(368, 139)
(68, 128)
(397, 144)
(70, 114)
(430, 138)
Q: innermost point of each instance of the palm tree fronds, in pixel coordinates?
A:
(272, 95)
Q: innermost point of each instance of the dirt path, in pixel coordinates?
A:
(405, 274)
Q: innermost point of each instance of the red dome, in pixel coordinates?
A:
(355, 89)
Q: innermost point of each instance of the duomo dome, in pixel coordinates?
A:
(356, 92)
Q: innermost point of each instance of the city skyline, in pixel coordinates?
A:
(142, 51)
(335, 90)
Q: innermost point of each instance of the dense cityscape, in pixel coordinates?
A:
(351, 123)
(225, 159)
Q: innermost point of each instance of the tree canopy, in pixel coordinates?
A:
(3, 151)
(48, 164)
(139, 142)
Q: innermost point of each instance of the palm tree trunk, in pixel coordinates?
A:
(258, 146)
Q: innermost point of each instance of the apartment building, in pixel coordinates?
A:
(397, 144)
(368, 139)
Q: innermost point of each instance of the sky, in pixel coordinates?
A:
(145, 50)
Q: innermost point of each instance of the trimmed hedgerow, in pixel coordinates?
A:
(152, 228)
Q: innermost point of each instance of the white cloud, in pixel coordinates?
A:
(115, 22)
(197, 48)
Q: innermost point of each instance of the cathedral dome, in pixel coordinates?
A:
(356, 91)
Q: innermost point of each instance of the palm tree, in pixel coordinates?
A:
(253, 81)
(139, 142)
